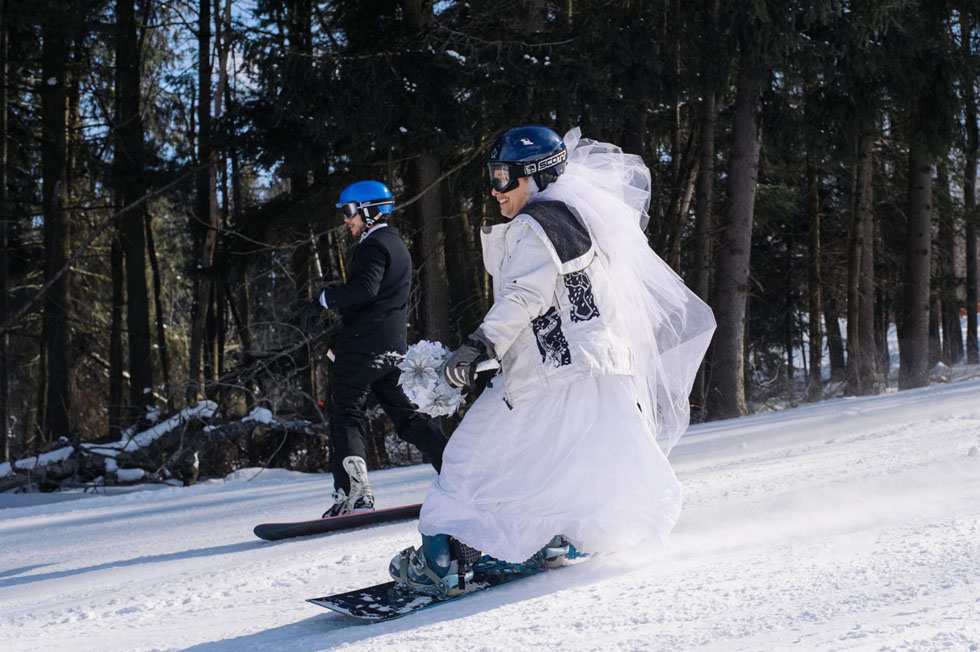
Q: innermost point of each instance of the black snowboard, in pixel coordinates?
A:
(384, 602)
(276, 531)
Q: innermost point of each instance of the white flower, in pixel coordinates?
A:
(423, 382)
(445, 400)
(421, 365)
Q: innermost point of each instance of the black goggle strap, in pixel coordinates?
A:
(550, 162)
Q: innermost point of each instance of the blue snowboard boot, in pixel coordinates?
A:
(440, 567)
(553, 554)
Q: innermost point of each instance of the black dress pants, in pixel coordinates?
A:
(355, 375)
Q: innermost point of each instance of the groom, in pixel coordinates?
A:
(373, 304)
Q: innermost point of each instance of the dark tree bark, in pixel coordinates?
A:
(130, 186)
(862, 368)
(116, 364)
(298, 62)
(429, 249)
(970, 194)
(952, 334)
(464, 283)
(158, 310)
(704, 222)
(54, 123)
(814, 386)
(4, 243)
(430, 254)
(874, 374)
(669, 245)
(913, 320)
(935, 344)
(726, 395)
(205, 221)
(835, 340)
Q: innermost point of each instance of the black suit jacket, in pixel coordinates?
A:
(373, 303)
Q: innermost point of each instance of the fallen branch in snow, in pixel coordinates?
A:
(179, 448)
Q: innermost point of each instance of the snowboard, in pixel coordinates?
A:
(277, 531)
(384, 601)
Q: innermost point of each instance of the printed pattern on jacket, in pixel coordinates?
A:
(552, 344)
(579, 288)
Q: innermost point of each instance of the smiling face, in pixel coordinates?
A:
(512, 202)
(355, 224)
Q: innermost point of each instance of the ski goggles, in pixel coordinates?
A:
(350, 209)
(504, 175)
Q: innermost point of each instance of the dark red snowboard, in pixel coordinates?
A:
(277, 531)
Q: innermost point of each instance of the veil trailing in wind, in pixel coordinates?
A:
(667, 326)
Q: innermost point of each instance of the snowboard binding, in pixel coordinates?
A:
(448, 574)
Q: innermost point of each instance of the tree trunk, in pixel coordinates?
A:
(130, 186)
(789, 318)
(431, 254)
(814, 387)
(298, 57)
(726, 396)
(952, 334)
(970, 196)
(871, 370)
(418, 13)
(54, 191)
(868, 368)
(835, 341)
(856, 249)
(913, 320)
(4, 244)
(704, 223)
(464, 284)
(206, 210)
(117, 413)
(669, 246)
(158, 310)
(862, 369)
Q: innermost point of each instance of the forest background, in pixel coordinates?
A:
(168, 175)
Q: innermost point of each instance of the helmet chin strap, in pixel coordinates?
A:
(366, 215)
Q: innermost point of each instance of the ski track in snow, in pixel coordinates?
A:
(852, 524)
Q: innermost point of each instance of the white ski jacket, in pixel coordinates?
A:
(549, 325)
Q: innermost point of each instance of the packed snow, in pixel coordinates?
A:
(852, 524)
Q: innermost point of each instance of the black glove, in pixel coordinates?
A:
(460, 368)
(310, 315)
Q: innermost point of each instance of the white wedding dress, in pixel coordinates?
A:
(587, 460)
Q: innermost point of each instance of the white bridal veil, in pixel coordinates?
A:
(666, 325)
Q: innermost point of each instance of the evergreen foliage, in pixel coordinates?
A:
(305, 97)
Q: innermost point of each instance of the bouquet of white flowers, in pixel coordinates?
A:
(423, 382)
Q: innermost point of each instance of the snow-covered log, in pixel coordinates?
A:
(179, 448)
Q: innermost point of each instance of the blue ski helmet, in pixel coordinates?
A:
(529, 151)
(372, 199)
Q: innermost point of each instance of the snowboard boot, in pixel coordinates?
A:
(361, 497)
(339, 503)
(440, 567)
(553, 554)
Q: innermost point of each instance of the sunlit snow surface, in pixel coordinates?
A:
(853, 524)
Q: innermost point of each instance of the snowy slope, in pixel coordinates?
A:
(848, 525)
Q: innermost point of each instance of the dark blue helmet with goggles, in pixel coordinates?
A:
(529, 151)
(372, 199)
